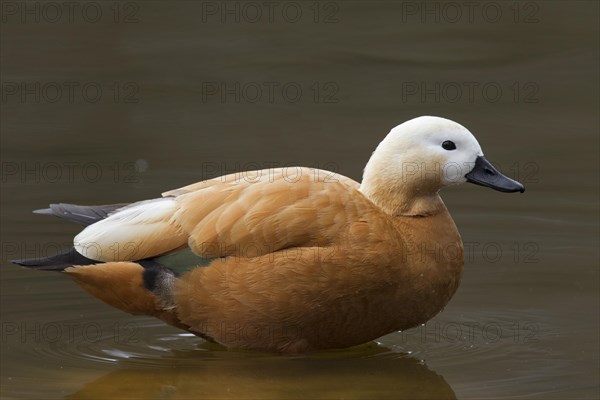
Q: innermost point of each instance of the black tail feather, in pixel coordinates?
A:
(87, 215)
(159, 280)
(57, 262)
(84, 215)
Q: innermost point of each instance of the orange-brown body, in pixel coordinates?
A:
(299, 265)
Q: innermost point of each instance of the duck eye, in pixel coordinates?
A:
(449, 145)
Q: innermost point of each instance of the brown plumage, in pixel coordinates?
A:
(294, 259)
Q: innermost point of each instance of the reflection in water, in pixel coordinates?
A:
(364, 372)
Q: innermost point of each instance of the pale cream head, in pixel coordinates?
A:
(415, 160)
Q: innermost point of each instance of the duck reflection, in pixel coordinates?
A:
(368, 372)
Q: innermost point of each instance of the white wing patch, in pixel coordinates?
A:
(140, 230)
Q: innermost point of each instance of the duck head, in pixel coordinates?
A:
(421, 156)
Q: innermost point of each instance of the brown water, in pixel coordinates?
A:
(186, 94)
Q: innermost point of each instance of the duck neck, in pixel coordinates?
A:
(400, 203)
(400, 195)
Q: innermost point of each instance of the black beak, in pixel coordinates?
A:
(485, 174)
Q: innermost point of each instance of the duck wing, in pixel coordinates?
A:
(245, 214)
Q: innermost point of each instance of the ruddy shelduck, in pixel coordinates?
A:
(291, 259)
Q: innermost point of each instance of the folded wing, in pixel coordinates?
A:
(245, 214)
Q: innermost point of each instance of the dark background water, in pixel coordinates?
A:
(108, 102)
